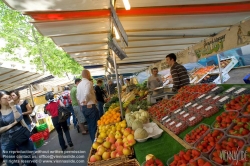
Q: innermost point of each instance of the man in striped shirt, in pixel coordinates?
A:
(178, 72)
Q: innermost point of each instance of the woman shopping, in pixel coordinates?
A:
(14, 132)
(52, 110)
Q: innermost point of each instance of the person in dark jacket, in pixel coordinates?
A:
(100, 94)
(179, 73)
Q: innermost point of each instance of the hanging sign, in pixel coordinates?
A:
(118, 24)
(117, 50)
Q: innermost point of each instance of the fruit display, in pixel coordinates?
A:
(227, 144)
(224, 120)
(246, 110)
(178, 128)
(141, 115)
(128, 97)
(196, 134)
(208, 111)
(231, 90)
(201, 161)
(241, 91)
(237, 103)
(240, 128)
(209, 78)
(208, 142)
(217, 90)
(110, 117)
(224, 63)
(223, 101)
(151, 160)
(193, 120)
(184, 157)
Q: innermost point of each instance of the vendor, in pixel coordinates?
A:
(179, 73)
(155, 81)
(130, 86)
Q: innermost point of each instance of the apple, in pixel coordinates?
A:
(111, 140)
(126, 151)
(131, 142)
(113, 147)
(106, 155)
(118, 135)
(113, 154)
(130, 137)
(92, 158)
(95, 145)
(128, 129)
(126, 133)
(125, 140)
(118, 142)
(106, 144)
(126, 144)
(119, 149)
(111, 135)
(101, 150)
(118, 154)
(99, 140)
(98, 158)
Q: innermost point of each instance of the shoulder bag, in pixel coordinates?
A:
(63, 113)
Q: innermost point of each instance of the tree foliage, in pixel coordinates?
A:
(18, 33)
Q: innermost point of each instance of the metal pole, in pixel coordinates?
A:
(31, 96)
(118, 85)
(220, 73)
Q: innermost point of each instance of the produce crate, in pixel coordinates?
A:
(224, 138)
(217, 90)
(223, 100)
(194, 119)
(239, 110)
(39, 143)
(224, 129)
(192, 143)
(244, 111)
(112, 161)
(203, 158)
(178, 128)
(42, 127)
(206, 154)
(241, 91)
(209, 111)
(231, 91)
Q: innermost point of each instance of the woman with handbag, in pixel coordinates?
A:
(52, 109)
(14, 132)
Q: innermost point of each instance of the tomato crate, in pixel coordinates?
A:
(208, 111)
(240, 128)
(246, 110)
(217, 90)
(207, 144)
(228, 115)
(191, 134)
(173, 160)
(199, 160)
(178, 128)
(227, 145)
(194, 119)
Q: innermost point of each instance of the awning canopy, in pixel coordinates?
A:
(154, 28)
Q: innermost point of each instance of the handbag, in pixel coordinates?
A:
(21, 136)
(63, 114)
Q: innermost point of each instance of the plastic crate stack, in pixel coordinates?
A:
(43, 134)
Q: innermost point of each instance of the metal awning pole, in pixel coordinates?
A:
(220, 73)
(31, 96)
(118, 85)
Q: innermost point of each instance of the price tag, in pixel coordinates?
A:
(208, 108)
(185, 115)
(172, 123)
(194, 105)
(215, 88)
(188, 104)
(223, 99)
(231, 89)
(240, 90)
(192, 118)
(216, 97)
(177, 111)
(208, 97)
(179, 124)
(200, 107)
(167, 120)
(164, 118)
(182, 112)
(201, 96)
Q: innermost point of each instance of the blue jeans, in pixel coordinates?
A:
(92, 116)
(100, 108)
(73, 114)
(60, 128)
(10, 147)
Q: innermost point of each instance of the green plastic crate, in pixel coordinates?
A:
(39, 143)
(42, 127)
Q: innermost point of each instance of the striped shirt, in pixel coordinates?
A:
(179, 75)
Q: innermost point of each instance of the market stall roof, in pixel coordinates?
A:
(15, 75)
(154, 28)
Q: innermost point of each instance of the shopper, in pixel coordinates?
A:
(155, 81)
(14, 132)
(52, 110)
(179, 73)
(25, 106)
(111, 87)
(67, 101)
(100, 94)
(77, 108)
(87, 99)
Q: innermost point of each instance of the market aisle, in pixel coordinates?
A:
(81, 143)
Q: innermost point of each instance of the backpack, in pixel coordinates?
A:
(66, 100)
